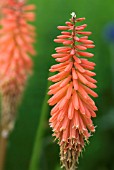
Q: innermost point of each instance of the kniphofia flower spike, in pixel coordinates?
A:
(16, 44)
(73, 107)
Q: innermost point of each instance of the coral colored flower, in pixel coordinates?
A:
(16, 46)
(73, 107)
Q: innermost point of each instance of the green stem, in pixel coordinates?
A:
(35, 160)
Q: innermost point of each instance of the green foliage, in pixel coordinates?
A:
(99, 153)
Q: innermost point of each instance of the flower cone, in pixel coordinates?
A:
(71, 92)
(17, 36)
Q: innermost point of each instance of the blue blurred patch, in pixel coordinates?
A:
(108, 32)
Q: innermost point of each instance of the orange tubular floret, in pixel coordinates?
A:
(73, 107)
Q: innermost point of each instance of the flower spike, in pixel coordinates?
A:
(17, 36)
(73, 107)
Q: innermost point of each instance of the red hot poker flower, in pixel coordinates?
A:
(16, 44)
(73, 107)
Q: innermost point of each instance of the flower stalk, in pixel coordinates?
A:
(17, 36)
(16, 44)
(73, 107)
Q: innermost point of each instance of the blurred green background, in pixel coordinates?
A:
(33, 113)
